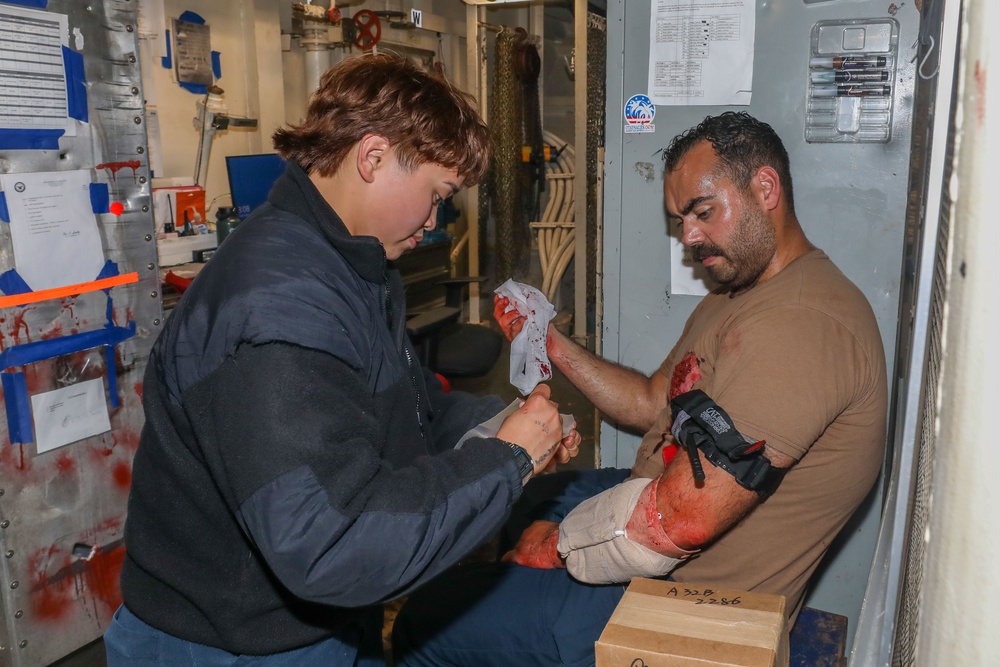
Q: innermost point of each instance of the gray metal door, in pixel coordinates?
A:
(62, 505)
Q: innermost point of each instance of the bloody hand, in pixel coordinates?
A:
(510, 322)
(537, 547)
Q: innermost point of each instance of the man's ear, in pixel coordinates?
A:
(766, 186)
(371, 155)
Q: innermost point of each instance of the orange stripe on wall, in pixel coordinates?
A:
(69, 290)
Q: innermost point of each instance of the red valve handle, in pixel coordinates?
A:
(369, 29)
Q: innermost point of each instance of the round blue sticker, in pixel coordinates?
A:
(639, 114)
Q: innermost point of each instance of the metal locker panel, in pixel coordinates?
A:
(850, 198)
(62, 511)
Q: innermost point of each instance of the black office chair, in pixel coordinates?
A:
(451, 348)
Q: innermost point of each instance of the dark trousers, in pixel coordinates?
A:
(130, 642)
(499, 614)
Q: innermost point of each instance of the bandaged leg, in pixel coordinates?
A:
(596, 543)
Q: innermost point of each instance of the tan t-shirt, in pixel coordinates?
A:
(796, 361)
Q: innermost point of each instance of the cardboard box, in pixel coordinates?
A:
(671, 624)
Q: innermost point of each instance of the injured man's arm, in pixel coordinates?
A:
(646, 527)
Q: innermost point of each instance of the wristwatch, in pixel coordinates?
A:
(524, 464)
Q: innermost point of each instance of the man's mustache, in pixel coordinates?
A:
(700, 252)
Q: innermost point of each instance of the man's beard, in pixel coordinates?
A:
(750, 251)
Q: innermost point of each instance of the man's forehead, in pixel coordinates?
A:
(695, 174)
(697, 179)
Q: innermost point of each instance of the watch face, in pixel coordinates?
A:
(527, 467)
(524, 465)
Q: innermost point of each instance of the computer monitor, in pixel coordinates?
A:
(251, 178)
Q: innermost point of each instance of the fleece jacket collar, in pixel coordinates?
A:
(295, 193)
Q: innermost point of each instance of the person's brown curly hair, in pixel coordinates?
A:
(422, 115)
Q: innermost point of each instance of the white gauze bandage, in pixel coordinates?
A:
(595, 543)
(490, 427)
(529, 361)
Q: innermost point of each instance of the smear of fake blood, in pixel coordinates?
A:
(50, 600)
(102, 574)
(121, 474)
(65, 464)
(686, 373)
(115, 167)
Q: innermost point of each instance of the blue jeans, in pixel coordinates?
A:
(499, 614)
(130, 642)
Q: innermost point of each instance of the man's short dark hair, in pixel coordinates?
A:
(743, 145)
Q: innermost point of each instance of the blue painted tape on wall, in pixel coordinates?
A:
(12, 283)
(166, 61)
(16, 389)
(4, 213)
(109, 270)
(217, 64)
(15, 396)
(196, 88)
(29, 140)
(109, 363)
(76, 85)
(29, 353)
(41, 4)
(100, 198)
(191, 17)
